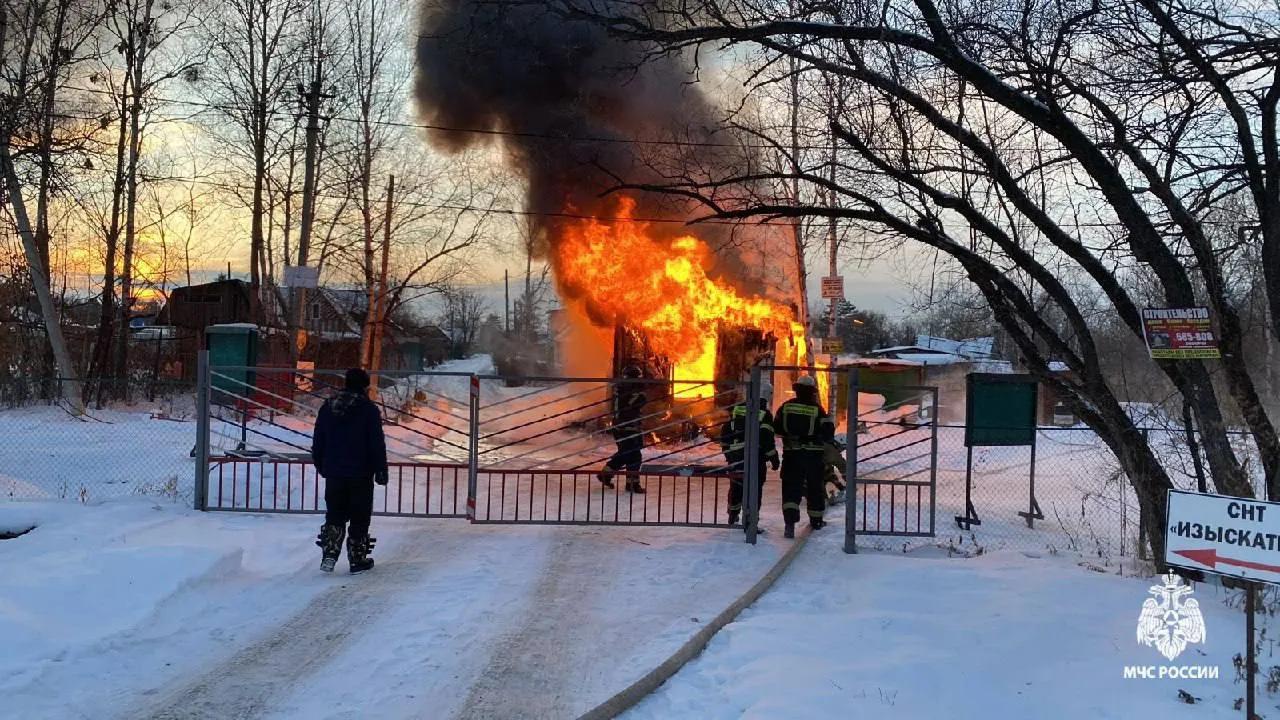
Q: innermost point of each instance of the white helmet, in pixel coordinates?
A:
(806, 381)
(766, 392)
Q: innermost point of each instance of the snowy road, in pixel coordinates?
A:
(177, 614)
(254, 680)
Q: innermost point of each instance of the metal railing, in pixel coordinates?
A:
(493, 449)
(292, 485)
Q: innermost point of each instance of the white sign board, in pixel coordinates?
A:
(833, 288)
(305, 378)
(1226, 535)
(301, 276)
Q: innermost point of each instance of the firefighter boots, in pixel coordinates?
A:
(330, 542)
(358, 549)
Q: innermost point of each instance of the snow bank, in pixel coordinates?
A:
(921, 635)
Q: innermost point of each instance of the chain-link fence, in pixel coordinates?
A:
(1082, 504)
(116, 448)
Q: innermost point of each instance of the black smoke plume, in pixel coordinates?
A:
(568, 100)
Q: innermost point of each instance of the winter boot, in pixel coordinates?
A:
(817, 523)
(789, 531)
(634, 486)
(605, 477)
(734, 516)
(358, 550)
(330, 542)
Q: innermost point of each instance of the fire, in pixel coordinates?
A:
(662, 288)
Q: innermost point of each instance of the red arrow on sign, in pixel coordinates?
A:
(1210, 558)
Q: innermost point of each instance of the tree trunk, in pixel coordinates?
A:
(375, 360)
(102, 355)
(366, 212)
(48, 360)
(256, 235)
(130, 218)
(40, 281)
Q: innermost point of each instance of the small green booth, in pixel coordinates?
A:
(233, 349)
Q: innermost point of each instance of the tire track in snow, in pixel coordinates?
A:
(246, 684)
(530, 671)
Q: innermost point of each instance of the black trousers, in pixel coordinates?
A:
(628, 456)
(736, 485)
(349, 500)
(803, 476)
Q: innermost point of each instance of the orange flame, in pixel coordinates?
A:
(662, 288)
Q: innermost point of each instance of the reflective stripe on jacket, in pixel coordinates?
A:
(733, 434)
(804, 426)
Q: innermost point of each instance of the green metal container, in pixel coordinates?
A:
(233, 350)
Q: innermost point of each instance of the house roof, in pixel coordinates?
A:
(903, 348)
(933, 358)
(849, 359)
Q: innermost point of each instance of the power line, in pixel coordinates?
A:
(1114, 225)
(227, 107)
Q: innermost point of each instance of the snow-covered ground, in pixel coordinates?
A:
(47, 454)
(133, 608)
(123, 603)
(923, 635)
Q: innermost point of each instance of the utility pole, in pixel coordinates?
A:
(797, 225)
(506, 306)
(310, 98)
(833, 270)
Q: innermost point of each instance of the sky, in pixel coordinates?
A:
(881, 284)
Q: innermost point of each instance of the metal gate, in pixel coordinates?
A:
(892, 461)
(541, 444)
(254, 433)
(488, 448)
(890, 455)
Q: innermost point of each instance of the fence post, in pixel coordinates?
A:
(851, 465)
(933, 467)
(751, 458)
(473, 448)
(201, 485)
(1142, 512)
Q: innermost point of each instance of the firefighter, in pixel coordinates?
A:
(805, 430)
(733, 440)
(628, 431)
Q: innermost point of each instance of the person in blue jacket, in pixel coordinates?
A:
(350, 451)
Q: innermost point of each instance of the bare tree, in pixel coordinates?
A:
(255, 57)
(1056, 155)
(463, 317)
(142, 51)
(40, 45)
(531, 303)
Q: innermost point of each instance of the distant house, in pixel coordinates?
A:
(196, 307)
(1052, 410)
(941, 356)
(222, 302)
(335, 323)
(333, 319)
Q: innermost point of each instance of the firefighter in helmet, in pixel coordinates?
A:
(733, 440)
(805, 430)
(628, 430)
